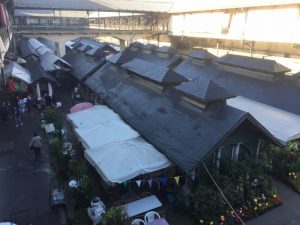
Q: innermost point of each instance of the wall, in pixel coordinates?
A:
(268, 24)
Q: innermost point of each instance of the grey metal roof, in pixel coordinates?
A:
(297, 75)
(154, 72)
(184, 134)
(166, 49)
(166, 6)
(50, 44)
(150, 47)
(203, 55)
(251, 63)
(279, 94)
(51, 62)
(204, 90)
(26, 49)
(58, 4)
(82, 65)
(37, 72)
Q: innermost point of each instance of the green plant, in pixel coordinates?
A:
(52, 116)
(60, 159)
(115, 216)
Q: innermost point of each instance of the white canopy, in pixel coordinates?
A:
(114, 149)
(104, 133)
(92, 116)
(121, 161)
(13, 69)
(283, 125)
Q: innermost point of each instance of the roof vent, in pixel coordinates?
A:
(203, 91)
(252, 67)
(153, 72)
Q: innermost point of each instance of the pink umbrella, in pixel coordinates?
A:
(81, 106)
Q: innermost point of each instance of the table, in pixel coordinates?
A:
(142, 205)
(160, 221)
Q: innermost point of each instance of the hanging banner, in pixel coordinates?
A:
(138, 182)
(177, 179)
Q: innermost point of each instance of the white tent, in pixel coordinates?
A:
(121, 161)
(13, 69)
(92, 116)
(104, 133)
(114, 149)
(283, 125)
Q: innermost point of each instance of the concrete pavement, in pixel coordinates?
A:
(24, 181)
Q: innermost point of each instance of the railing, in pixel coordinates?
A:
(93, 28)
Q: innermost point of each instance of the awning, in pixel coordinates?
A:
(14, 70)
(121, 161)
(104, 133)
(114, 149)
(283, 125)
(92, 116)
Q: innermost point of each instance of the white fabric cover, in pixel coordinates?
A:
(121, 161)
(283, 125)
(104, 133)
(92, 116)
(15, 70)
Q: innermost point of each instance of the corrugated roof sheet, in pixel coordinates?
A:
(204, 90)
(153, 72)
(251, 63)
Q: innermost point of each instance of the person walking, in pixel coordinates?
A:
(17, 112)
(36, 144)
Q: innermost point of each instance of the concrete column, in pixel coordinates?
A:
(38, 91)
(60, 48)
(50, 89)
(122, 44)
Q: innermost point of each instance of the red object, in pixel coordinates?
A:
(12, 85)
(81, 106)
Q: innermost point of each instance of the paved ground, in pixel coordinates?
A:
(24, 181)
(286, 214)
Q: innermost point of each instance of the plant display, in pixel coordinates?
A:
(52, 116)
(115, 216)
(285, 163)
(244, 185)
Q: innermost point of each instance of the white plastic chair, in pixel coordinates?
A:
(151, 216)
(138, 222)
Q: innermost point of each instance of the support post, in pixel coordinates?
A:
(122, 44)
